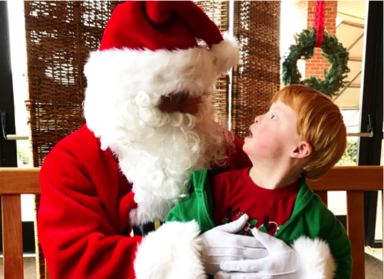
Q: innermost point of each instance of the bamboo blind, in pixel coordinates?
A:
(218, 13)
(257, 27)
(59, 37)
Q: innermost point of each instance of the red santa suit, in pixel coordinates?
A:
(84, 213)
(131, 163)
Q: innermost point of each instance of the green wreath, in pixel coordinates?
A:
(332, 51)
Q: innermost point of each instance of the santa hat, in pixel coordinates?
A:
(153, 45)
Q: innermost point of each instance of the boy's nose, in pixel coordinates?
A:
(257, 119)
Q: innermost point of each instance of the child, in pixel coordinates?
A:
(301, 136)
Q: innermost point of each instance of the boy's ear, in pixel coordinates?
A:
(303, 150)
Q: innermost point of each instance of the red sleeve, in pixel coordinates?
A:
(84, 211)
(238, 159)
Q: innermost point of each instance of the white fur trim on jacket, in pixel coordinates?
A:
(317, 258)
(171, 252)
(191, 70)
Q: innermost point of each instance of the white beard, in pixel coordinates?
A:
(157, 151)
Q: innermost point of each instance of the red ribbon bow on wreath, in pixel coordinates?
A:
(319, 23)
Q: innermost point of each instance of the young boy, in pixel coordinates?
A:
(301, 136)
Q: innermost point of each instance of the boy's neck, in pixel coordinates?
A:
(274, 177)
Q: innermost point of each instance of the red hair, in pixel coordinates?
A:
(320, 123)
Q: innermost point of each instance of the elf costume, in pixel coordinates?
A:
(310, 217)
(130, 164)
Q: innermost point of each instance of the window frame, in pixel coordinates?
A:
(369, 149)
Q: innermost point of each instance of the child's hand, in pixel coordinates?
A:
(223, 244)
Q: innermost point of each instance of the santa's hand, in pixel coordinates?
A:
(309, 259)
(223, 244)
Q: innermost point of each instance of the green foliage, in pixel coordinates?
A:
(349, 157)
(332, 51)
(23, 154)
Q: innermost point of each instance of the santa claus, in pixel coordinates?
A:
(150, 122)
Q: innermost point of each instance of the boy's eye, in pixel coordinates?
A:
(273, 116)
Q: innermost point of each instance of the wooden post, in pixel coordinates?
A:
(355, 230)
(324, 196)
(12, 237)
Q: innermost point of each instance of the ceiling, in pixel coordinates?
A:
(350, 32)
(352, 10)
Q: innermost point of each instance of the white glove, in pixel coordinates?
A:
(282, 262)
(223, 244)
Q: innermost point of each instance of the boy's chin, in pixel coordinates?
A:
(248, 150)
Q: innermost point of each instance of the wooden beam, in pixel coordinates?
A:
(12, 237)
(354, 86)
(366, 178)
(355, 59)
(47, 275)
(353, 24)
(360, 178)
(355, 231)
(355, 42)
(346, 86)
(324, 196)
(19, 181)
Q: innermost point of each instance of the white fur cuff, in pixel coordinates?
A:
(171, 252)
(316, 257)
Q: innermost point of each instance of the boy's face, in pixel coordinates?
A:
(273, 135)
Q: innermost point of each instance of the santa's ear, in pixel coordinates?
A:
(302, 150)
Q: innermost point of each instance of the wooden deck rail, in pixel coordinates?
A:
(354, 180)
(13, 183)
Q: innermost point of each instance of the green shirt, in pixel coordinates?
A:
(310, 218)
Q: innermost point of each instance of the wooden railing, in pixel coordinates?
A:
(354, 180)
(13, 183)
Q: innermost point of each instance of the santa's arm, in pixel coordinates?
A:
(83, 237)
(76, 237)
(306, 259)
(173, 251)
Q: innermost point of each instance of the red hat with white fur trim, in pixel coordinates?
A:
(157, 40)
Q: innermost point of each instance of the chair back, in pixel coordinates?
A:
(13, 183)
(354, 180)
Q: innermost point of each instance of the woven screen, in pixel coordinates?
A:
(257, 27)
(59, 36)
(218, 13)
